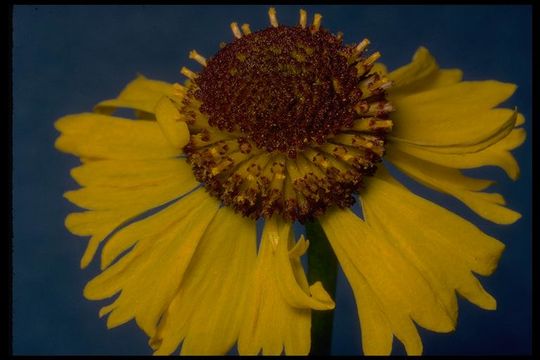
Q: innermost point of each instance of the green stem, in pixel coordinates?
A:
(322, 267)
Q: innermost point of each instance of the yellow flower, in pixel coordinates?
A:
(289, 124)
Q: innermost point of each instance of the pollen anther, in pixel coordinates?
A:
(188, 73)
(272, 17)
(194, 55)
(236, 30)
(372, 58)
(316, 21)
(303, 18)
(245, 29)
(361, 46)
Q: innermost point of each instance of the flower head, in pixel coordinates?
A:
(287, 121)
(286, 124)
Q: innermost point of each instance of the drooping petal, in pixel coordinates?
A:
(292, 281)
(397, 287)
(107, 137)
(480, 251)
(271, 324)
(488, 205)
(140, 94)
(207, 311)
(155, 267)
(445, 248)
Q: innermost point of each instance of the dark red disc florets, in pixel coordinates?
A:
(283, 87)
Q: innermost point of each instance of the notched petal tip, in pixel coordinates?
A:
(106, 310)
(491, 259)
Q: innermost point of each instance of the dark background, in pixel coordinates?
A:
(68, 58)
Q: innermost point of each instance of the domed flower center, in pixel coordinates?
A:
(283, 87)
(286, 121)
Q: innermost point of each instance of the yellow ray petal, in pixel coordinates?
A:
(467, 133)
(148, 283)
(497, 154)
(142, 234)
(443, 77)
(168, 117)
(317, 291)
(99, 224)
(140, 94)
(480, 251)
(113, 173)
(446, 264)
(126, 237)
(452, 182)
(400, 289)
(107, 137)
(271, 324)
(423, 65)
(446, 176)
(142, 197)
(294, 289)
(116, 205)
(421, 74)
(377, 333)
(460, 98)
(441, 268)
(458, 114)
(207, 311)
(110, 282)
(320, 299)
(265, 322)
(445, 249)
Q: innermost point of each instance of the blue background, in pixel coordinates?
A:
(66, 59)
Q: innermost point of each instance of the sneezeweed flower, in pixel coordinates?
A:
(288, 124)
